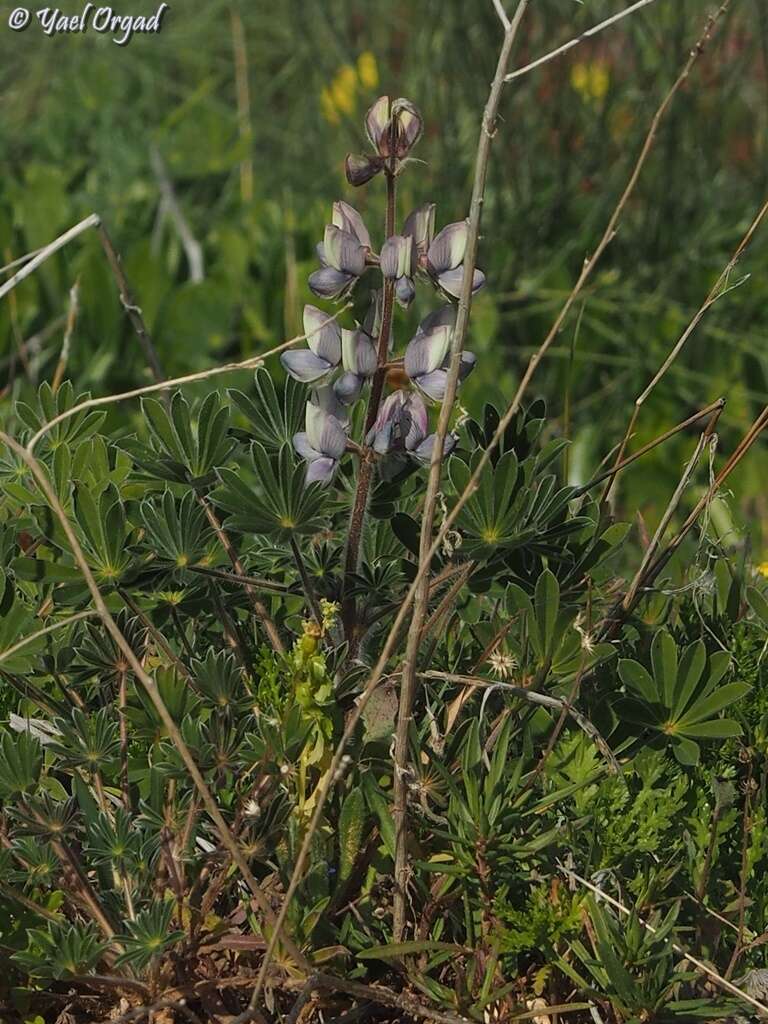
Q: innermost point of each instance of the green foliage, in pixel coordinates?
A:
(505, 796)
(149, 936)
(682, 701)
(555, 735)
(276, 503)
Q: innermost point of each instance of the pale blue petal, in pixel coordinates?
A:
(304, 448)
(433, 384)
(448, 247)
(329, 283)
(450, 281)
(323, 334)
(348, 388)
(426, 352)
(305, 366)
(321, 471)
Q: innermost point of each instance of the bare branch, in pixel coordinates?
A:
(92, 221)
(519, 72)
(502, 15)
(544, 700)
(10, 651)
(167, 385)
(69, 330)
(717, 291)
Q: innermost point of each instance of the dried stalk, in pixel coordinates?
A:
(421, 598)
(717, 291)
(663, 558)
(543, 700)
(377, 672)
(69, 330)
(167, 385)
(671, 508)
(128, 302)
(683, 425)
(192, 248)
(518, 72)
(150, 686)
(31, 264)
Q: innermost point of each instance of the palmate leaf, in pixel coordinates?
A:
(680, 698)
(149, 935)
(98, 654)
(21, 762)
(16, 621)
(274, 416)
(88, 741)
(186, 444)
(50, 404)
(61, 951)
(114, 840)
(104, 532)
(513, 506)
(278, 504)
(219, 679)
(520, 435)
(177, 530)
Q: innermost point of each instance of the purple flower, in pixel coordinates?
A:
(348, 219)
(427, 356)
(343, 253)
(393, 128)
(445, 260)
(360, 168)
(401, 427)
(420, 226)
(324, 352)
(323, 442)
(358, 355)
(397, 264)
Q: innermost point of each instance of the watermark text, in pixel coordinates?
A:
(102, 20)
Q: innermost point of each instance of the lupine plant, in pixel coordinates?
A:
(200, 663)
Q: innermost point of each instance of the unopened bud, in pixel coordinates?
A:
(359, 169)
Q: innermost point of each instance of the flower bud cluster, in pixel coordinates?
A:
(338, 362)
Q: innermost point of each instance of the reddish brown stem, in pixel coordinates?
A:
(365, 472)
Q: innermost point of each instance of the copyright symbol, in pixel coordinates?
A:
(19, 19)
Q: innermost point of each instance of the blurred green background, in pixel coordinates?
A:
(252, 106)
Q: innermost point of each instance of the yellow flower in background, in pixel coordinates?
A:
(763, 569)
(591, 80)
(344, 89)
(341, 95)
(328, 108)
(367, 70)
